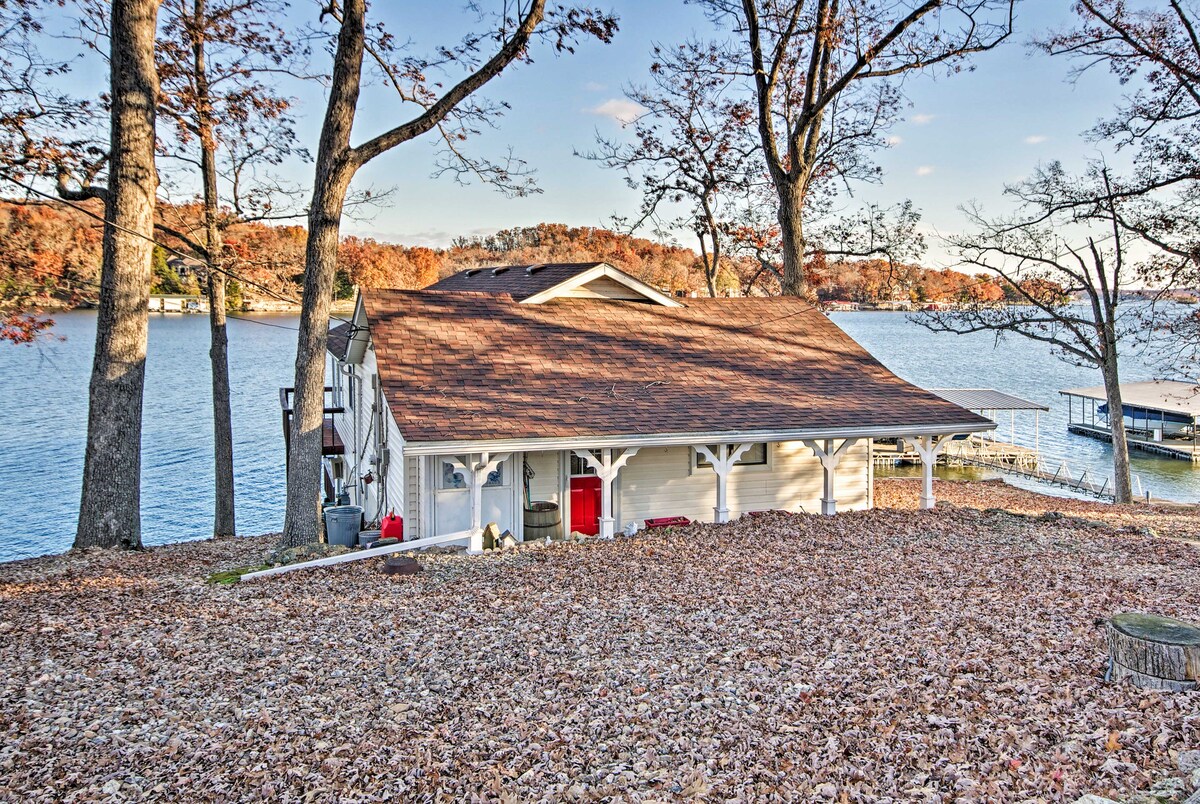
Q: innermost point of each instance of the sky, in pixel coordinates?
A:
(963, 137)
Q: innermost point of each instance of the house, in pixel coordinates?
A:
(578, 385)
(177, 303)
(188, 267)
(841, 306)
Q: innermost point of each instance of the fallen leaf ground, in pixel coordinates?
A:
(889, 655)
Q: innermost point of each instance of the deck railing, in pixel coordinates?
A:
(331, 443)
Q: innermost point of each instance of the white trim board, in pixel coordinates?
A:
(688, 439)
(594, 273)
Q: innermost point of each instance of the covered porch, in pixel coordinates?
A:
(603, 490)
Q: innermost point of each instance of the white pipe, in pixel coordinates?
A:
(358, 555)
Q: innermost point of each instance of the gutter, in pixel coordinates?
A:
(687, 439)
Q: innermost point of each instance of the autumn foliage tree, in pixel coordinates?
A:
(371, 264)
(213, 58)
(41, 127)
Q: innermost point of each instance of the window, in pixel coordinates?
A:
(580, 467)
(453, 478)
(755, 456)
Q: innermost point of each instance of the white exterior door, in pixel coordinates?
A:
(452, 498)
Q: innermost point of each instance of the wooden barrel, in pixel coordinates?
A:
(1154, 652)
(542, 520)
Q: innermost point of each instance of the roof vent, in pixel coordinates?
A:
(471, 272)
(533, 269)
(498, 271)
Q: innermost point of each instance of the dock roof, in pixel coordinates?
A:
(1166, 395)
(986, 399)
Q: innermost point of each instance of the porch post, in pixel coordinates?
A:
(475, 544)
(830, 458)
(607, 469)
(722, 462)
(475, 471)
(928, 448)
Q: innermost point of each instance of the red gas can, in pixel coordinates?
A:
(392, 526)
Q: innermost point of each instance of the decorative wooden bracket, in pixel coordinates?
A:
(475, 469)
(606, 469)
(928, 447)
(722, 462)
(830, 458)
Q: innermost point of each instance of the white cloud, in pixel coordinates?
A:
(592, 86)
(894, 140)
(1036, 139)
(922, 119)
(623, 110)
(925, 170)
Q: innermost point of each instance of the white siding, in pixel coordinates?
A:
(603, 287)
(412, 498)
(657, 482)
(546, 483)
(396, 486)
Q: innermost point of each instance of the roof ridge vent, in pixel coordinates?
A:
(533, 269)
(500, 270)
(470, 272)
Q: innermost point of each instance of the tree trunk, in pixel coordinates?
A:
(1154, 652)
(334, 172)
(1122, 488)
(709, 269)
(109, 508)
(218, 352)
(791, 233)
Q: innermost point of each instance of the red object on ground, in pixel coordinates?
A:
(585, 505)
(667, 522)
(392, 527)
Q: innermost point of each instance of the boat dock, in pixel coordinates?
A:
(1160, 416)
(985, 451)
(973, 451)
(1182, 450)
(981, 449)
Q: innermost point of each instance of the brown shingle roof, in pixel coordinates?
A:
(516, 280)
(474, 366)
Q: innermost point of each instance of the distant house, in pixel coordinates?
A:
(841, 306)
(178, 303)
(187, 267)
(578, 385)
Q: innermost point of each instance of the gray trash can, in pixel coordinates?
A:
(342, 523)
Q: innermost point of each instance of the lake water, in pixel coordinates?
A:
(43, 416)
(1026, 369)
(43, 412)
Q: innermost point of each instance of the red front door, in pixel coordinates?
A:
(585, 505)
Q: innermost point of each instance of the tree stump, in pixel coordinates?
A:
(1154, 652)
